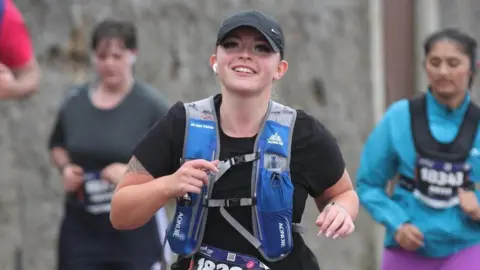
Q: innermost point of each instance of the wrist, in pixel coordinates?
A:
(334, 203)
(476, 214)
(163, 187)
(62, 167)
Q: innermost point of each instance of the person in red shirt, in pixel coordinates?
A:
(19, 71)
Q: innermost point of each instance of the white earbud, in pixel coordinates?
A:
(214, 67)
(133, 59)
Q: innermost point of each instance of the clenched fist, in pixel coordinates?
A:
(72, 176)
(190, 177)
(469, 203)
(409, 237)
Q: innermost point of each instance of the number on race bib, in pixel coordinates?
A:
(209, 265)
(223, 266)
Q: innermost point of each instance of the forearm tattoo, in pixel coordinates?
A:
(135, 166)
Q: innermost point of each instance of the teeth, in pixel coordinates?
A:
(243, 69)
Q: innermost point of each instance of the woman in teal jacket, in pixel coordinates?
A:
(431, 144)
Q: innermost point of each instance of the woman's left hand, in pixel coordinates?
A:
(335, 220)
(469, 203)
(113, 173)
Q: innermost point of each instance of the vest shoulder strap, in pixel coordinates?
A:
(279, 124)
(427, 145)
(200, 130)
(468, 130)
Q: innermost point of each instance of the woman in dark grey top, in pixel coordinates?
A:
(96, 130)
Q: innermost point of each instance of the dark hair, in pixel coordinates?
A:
(111, 28)
(467, 43)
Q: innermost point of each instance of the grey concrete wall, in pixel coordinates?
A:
(327, 48)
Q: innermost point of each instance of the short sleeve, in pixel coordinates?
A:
(160, 149)
(160, 108)
(159, 104)
(316, 156)
(15, 42)
(57, 135)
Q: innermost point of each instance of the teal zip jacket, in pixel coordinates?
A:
(388, 151)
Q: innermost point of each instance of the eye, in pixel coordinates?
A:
(229, 44)
(435, 62)
(453, 62)
(101, 56)
(263, 48)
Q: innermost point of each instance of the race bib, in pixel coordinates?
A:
(98, 193)
(206, 264)
(210, 258)
(437, 182)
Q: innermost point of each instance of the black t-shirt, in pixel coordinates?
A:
(316, 165)
(95, 138)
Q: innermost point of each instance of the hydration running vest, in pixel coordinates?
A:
(441, 168)
(271, 198)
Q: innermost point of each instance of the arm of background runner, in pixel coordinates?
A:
(56, 144)
(474, 161)
(27, 80)
(154, 159)
(17, 53)
(378, 163)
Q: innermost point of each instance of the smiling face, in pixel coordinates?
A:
(246, 63)
(448, 68)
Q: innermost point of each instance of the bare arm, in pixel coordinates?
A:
(26, 81)
(343, 194)
(60, 157)
(137, 198)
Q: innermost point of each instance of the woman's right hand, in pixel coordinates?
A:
(72, 177)
(190, 177)
(409, 237)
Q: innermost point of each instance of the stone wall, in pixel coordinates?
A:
(327, 48)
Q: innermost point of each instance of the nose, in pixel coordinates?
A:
(443, 70)
(245, 52)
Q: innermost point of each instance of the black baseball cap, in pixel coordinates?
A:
(263, 23)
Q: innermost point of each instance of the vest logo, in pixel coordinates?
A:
(474, 152)
(282, 234)
(178, 225)
(206, 251)
(275, 139)
(201, 126)
(439, 178)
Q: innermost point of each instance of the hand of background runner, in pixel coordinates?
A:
(7, 80)
(72, 176)
(335, 220)
(409, 237)
(190, 177)
(114, 172)
(469, 203)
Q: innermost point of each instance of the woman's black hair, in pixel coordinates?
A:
(467, 44)
(110, 28)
